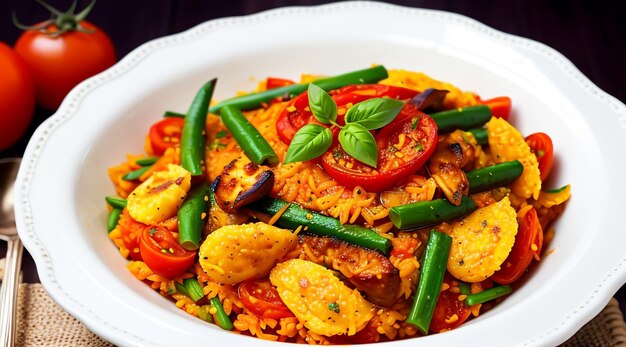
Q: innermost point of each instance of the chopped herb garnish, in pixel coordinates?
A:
(419, 147)
(333, 306)
(152, 231)
(220, 134)
(216, 144)
(414, 123)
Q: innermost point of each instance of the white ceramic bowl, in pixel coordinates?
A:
(63, 178)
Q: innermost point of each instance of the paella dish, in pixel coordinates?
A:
(370, 206)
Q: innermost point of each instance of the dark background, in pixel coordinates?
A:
(592, 34)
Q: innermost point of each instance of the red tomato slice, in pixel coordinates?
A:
(262, 299)
(448, 305)
(541, 145)
(165, 134)
(379, 91)
(297, 113)
(274, 82)
(366, 335)
(500, 107)
(529, 233)
(404, 146)
(162, 253)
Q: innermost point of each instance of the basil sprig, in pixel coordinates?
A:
(312, 140)
(322, 105)
(359, 143)
(374, 113)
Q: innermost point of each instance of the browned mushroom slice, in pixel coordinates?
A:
(242, 182)
(455, 152)
(368, 270)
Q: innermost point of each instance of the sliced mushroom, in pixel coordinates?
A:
(454, 153)
(242, 182)
(369, 271)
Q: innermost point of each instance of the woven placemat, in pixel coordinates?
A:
(41, 322)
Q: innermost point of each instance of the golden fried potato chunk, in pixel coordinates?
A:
(506, 144)
(160, 196)
(235, 253)
(482, 241)
(321, 301)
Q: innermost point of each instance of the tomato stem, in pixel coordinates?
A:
(63, 21)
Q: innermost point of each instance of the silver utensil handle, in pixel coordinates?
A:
(8, 293)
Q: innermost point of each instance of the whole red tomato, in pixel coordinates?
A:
(17, 97)
(62, 53)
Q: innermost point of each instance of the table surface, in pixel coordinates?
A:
(590, 33)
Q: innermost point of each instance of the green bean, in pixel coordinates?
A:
(465, 288)
(494, 176)
(170, 114)
(114, 217)
(203, 314)
(223, 321)
(432, 270)
(192, 216)
(116, 202)
(135, 174)
(252, 143)
(192, 137)
(488, 295)
(461, 118)
(557, 190)
(146, 161)
(425, 213)
(295, 216)
(193, 288)
(481, 135)
(256, 100)
(182, 289)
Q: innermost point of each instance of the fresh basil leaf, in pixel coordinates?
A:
(311, 141)
(374, 113)
(359, 143)
(322, 105)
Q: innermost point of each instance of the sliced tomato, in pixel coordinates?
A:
(528, 242)
(404, 146)
(366, 335)
(500, 107)
(165, 134)
(541, 145)
(448, 305)
(262, 299)
(378, 91)
(297, 113)
(162, 253)
(274, 82)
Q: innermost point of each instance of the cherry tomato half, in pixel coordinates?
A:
(17, 97)
(274, 82)
(262, 299)
(500, 107)
(165, 134)
(404, 146)
(448, 305)
(58, 63)
(297, 113)
(541, 145)
(368, 334)
(529, 233)
(162, 253)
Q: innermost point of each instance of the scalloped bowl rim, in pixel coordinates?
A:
(577, 95)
